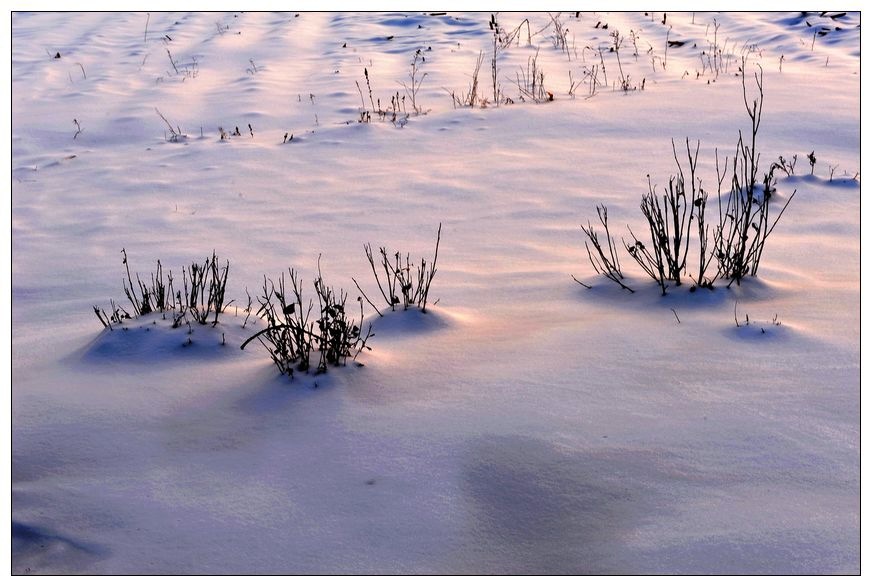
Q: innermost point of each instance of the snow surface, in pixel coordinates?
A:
(524, 425)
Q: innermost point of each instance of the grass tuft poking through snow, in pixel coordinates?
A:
(402, 283)
(743, 224)
(200, 298)
(291, 336)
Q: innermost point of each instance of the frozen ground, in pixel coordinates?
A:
(525, 424)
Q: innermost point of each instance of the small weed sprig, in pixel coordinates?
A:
(560, 37)
(506, 38)
(398, 112)
(369, 88)
(501, 39)
(786, 166)
(573, 85)
(531, 82)
(247, 309)
(187, 71)
(141, 302)
(617, 43)
(340, 336)
(604, 264)
(500, 42)
(415, 80)
(208, 284)
(590, 77)
(718, 58)
(471, 97)
(775, 321)
(744, 222)
(117, 316)
(669, 218)
(172, 62)
(175, 135)
(287, 337)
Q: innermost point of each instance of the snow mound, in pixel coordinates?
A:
(152, 338)
(412, 321)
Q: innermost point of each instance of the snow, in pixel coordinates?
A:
(524, 424)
